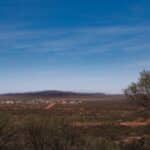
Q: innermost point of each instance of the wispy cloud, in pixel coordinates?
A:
(75, 40)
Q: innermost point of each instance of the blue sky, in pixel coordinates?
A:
(93, 46)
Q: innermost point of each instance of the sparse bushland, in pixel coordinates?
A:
(6, 131)
(92, 143)
(143, 144)
(40, 129)
(50, 134)
(57, 134)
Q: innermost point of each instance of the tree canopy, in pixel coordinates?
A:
(140, 91)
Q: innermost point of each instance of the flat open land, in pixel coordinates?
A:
(116, 119)
(120, 121)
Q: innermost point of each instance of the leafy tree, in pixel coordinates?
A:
(140, 91)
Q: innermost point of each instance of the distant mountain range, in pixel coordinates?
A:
(53, 93)
(57, 95)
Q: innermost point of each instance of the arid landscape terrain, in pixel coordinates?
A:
(96, 121)
(74, 74)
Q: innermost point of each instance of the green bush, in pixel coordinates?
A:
(92, 143)
(7, 132)
(143, 144)
(50, 134)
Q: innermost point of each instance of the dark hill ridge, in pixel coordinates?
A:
(57, 95)
(53, 93)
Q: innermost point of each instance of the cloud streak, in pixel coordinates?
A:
(75, 40)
